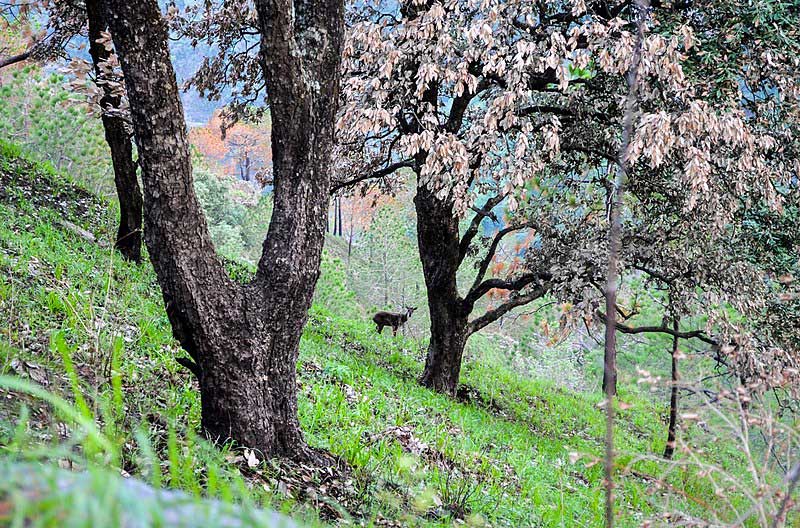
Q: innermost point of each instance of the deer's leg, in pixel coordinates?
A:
(394, 331)
(380, 329)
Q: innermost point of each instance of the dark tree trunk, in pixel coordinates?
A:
(248, 373)
(446, 348)
(350, 241)
(610, 364)
(669, 450)
(337, 216)
(339, 213)
(129, 233)
(438, 239)
(442, 251)
(243, 339)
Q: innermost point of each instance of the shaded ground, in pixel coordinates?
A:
(48, 190)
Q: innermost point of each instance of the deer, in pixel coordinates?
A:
(395, 320)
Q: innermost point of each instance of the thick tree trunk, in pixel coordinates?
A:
(669, 450)
(129, 233)
(446, 347)
(248, 374)
(438, 239)
(243, 339)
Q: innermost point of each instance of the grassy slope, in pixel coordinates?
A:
(92, 328)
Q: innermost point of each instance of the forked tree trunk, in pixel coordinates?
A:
(129, 233)
(243, 339)
(438, 239)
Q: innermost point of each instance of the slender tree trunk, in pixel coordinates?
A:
(337, 216)
(243, 339)
(351, 233)
(612, 272)
(339, 213)
(438, 239)
(669, 450)
(129, 233)
(350, 242)
(612, 281)
(610, 349)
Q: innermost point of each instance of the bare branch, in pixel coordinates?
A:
(691, 334)
(380, 173)
(654, 274)
(14, 59)
(495, 314)
(472, 230)
(567, 146)
(792, 479)
(516, 284)
(487, 259)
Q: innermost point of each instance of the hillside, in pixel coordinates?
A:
(90, 379)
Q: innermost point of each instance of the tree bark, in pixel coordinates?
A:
(442, 251)
(438, 240)
(129, 233)
(669, 450)
(243, 339)
(447, 342)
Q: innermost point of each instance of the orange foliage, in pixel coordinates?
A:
(244, 152)
(497, 267)
(358, 211)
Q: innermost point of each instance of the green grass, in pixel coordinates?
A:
(90, 380)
